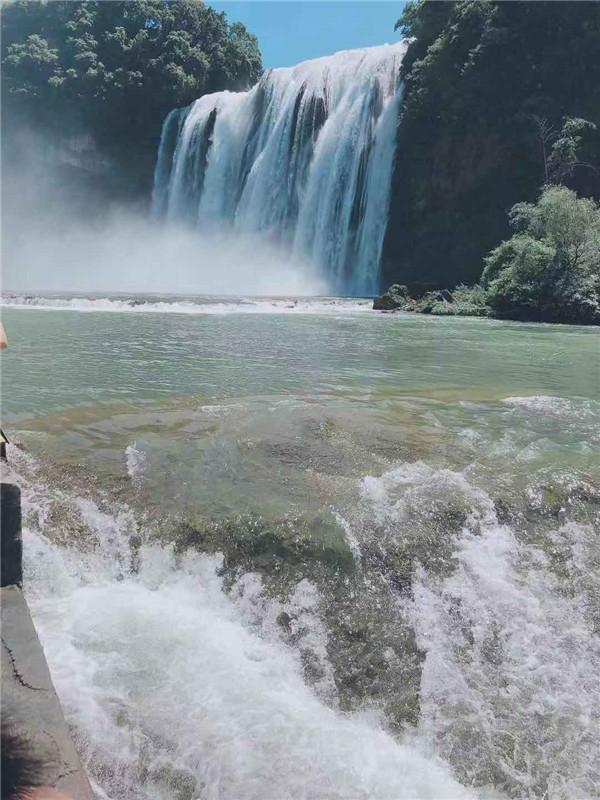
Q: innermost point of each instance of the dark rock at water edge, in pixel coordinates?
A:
(463, 302)
(396, 297)
(10, 526)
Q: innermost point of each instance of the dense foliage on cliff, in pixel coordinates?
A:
(487, 86)
(116, 68)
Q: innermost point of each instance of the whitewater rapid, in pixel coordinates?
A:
(173, 685)
(207, 305)
(304, 158)
(172, 689)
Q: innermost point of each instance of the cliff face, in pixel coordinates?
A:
(479, 77)
(449, 208)
(57, 173)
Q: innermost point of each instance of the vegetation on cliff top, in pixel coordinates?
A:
(114, 70)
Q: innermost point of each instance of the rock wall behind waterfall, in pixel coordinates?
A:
(305, 158)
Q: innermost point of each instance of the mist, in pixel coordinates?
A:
(62, 233)
(128, 254)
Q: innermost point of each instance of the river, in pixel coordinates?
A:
(288, 548)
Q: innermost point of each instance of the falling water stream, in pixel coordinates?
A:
(304, 158)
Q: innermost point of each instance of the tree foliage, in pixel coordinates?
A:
(550, 268)
(117, 68)
(563, 159)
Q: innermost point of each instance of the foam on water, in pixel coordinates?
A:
(510, 688)
(543, 404)
(173, 692)
(511, 680)
(394, 492)
(183, 306)
(136, 461)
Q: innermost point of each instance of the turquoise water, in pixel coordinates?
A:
(63, 359)
(302, 549)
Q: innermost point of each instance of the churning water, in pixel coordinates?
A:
(304, 158)
(312, 553)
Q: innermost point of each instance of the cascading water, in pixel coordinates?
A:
(304, 158)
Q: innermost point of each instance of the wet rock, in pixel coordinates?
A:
(12, 546)
(284, 551)
(285, 621)
(434, 302)
(373, 652)
(396, 297)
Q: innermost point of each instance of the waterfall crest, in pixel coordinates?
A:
(305, 158)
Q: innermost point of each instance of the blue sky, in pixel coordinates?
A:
(290, 31)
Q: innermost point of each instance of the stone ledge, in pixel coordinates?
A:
(29, 699)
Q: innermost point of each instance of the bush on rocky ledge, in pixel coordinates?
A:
(464, 301)
(548, 271)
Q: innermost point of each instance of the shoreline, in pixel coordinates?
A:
(456, 303)
(440, 303)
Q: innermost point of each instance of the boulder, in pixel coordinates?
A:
(434, 302)
(396, 297)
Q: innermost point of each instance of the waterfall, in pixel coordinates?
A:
(304, 158)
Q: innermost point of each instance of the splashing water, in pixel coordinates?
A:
(175, 695)
(213, 305)
(512, 668)
(510, 685)
(305, 157)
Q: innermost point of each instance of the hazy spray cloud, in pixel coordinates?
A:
(60, 233)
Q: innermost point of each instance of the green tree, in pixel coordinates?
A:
(564, 158)
(117, 68)
(550, 269)
(34, 59)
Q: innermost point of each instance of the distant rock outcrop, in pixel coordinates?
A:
(396, 297)
(462, 301)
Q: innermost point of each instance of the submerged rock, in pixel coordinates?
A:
(283, 551)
